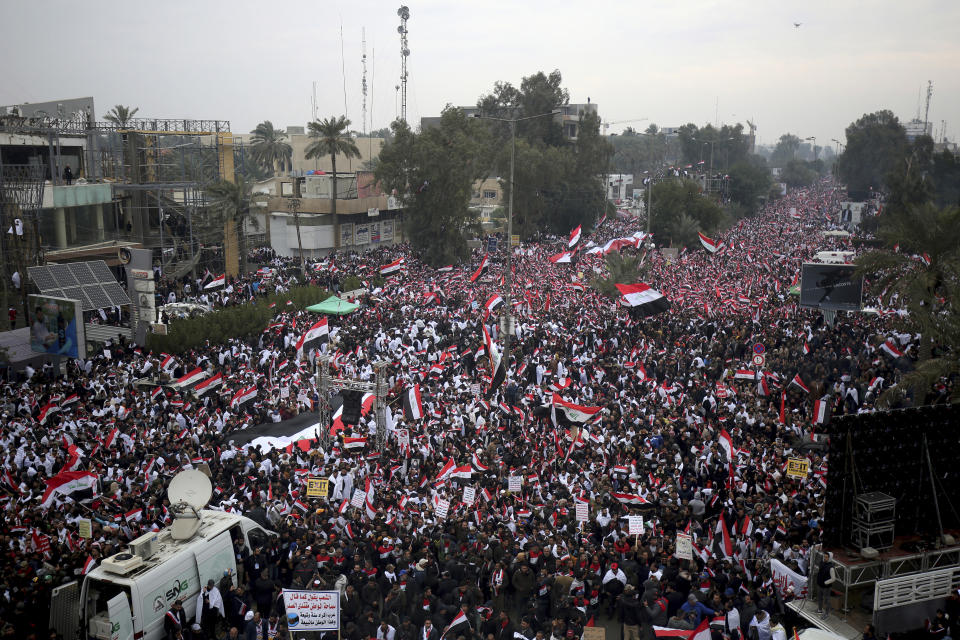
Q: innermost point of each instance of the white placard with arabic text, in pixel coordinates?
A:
(359, 497)
(635, 524)
(443, 506)
(583, 512)
(515, 483)
(312, 610)
(469, 495)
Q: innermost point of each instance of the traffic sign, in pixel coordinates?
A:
(759, 360)
(758, 348)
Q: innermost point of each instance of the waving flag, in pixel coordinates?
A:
(710, 245)
(561, 258)
(393, 267)
(642, 296)
(498, 370)
(744, 374)
(821, 410)
(245, 394)
(891, 350)
(317, 334)
(799, 382)
(77, 485)
(48, 410)
(210, 383)
(194, 376)
(484, 264)
(412, 405)
(629, 498)
(354, 443)
(216, 282)
(574, 237)
(493, 303)
(574, 412)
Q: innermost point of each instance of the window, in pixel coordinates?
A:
(489, 193)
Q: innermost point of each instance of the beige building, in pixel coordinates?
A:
(299, 140)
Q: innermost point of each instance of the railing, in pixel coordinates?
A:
(81, 125)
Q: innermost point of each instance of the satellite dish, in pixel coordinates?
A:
(191, 487)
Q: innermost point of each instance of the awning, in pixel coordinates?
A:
(334, 306)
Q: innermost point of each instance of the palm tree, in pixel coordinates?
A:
(230, 209)
(270, 147)
(121, 115)
(331, 137)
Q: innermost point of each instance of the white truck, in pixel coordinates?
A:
(127, 596)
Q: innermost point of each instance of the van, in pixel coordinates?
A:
(127, 596)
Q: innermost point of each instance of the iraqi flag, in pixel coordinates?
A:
(88, 565)
(643, 297)
(193, 377)
(208, 384)
(412, 404)
(78, 485)
(574, 412)
(48, 410)
(493, 303)
(216, 282)
(484, 264)
(245, 394)
(891, 350)
(561, 258)
(393, 267)
(316, 335)
(459, 619)
(574, 237)
(726, 545)
(629, 498)
(69, 400)
(446, 269)
(799, 382)
(744, 374)
(726, 443)
(354, 443)
(821, 410)
(710, 245)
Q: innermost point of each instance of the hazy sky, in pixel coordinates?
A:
(670, 62)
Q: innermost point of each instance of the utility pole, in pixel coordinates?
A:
(293, 206)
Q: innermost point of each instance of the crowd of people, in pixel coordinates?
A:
(670, 429)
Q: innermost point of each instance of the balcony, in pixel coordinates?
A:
(75, 195)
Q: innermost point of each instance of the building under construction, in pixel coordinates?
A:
(73, 187)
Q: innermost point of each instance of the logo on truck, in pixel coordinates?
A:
(178, 587)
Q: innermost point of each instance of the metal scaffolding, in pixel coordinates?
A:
(21, 196)
(328, 385)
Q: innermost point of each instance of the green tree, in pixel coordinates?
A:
(728, 144)
(270, 147)
(785, 151)
(434, 172)
(680, 210)
(749, 181)
(876, 143)
(121, 115)
(929, 288)
(329, 137)
(797, 173)
(229, 210)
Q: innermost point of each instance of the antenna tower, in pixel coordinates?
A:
(363, 82)
(404, 14)
(926, 113)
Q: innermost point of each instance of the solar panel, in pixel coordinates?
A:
(118, 297)
(98, 298)
(76, 293)
(101, 271)
(63, 275)
(54, 293)
(82, 273)
(42, 277)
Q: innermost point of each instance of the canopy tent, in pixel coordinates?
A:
(334, 306)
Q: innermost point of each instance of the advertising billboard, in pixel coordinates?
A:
(830, 286)
(56, 326)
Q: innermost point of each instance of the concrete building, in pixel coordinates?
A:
(365, 218)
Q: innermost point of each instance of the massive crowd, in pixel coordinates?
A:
(680, 439)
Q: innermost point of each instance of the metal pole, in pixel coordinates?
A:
(649, 203)
(508, 279)
(933, 487)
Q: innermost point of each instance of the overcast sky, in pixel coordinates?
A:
(669, 62)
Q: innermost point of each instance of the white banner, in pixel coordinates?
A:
(312, 610)
(784, 576)
(684, 547)
(583, 512)
(514, 484)
(359, 497)
(635, 524)
(469, 495)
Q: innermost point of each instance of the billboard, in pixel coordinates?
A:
(361, 233)
(386, 231)
(56, 326)
(346, 234)
(830, 286)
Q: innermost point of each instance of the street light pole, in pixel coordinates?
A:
(507, 315)
(814, 138)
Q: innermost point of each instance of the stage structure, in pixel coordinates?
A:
(329, 385)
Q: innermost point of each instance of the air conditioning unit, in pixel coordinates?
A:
(144, 546)
(122, 563)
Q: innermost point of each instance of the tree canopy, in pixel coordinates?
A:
(270, 148)
(680, 211)
(786, 150)
(433, 172)
(875, 144)
(121, 115)
(728, 144)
